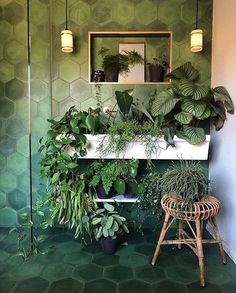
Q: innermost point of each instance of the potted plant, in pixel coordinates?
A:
(157, 69)
(186, 183)
(113, 64)
(108, 226)
(186, 108)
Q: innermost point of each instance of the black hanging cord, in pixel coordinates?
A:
(66, 16)
(196, 15)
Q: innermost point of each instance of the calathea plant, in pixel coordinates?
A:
(184, 105)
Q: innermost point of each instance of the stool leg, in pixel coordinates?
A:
(161, 238)
(200, 252)
(216, 232)
(180, 232)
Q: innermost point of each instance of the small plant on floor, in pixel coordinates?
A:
(186, 181)
(27, 247)
(108, 226)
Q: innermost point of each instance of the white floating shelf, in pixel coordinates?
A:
(118, 198)
(182, 150)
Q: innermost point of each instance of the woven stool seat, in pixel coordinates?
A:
(204, 209)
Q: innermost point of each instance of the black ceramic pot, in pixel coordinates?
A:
(156, 72)
(101, 192)
(109, 245)
(111, 74)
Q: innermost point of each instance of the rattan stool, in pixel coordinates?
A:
(205, 209)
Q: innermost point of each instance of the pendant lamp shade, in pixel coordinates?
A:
(66, 38)
(197, 36)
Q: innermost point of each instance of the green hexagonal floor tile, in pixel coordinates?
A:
(229, 287)
(118, 273)
(78, 258)
(134, 260)
(145, 249)
(106, 260)
(150, 275)
(100, 286)
(17, 199)
(37, 285)
(68, 285)
(6, 71)
(6, 284)
(8, 217)
(7, 108)
(26, 270)
(181, 274)
(88, 272)
(69, 247)
(218, 276)
(210, 288)
(55, 271)
(134, 286)
(167, 286)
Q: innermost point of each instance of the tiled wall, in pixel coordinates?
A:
(66, 75)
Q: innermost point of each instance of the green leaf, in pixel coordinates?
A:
(206, 114)
(109, 207)
(221, 94)
(124, 101)
(42, 238)
(115, 226)
(164, 103)
(55, 177)
(183, 117)
(189, 89)
(95, 221)
(40, 213)
(74, 122)
(91, 123)
(196, 108)
(66, 156)
(194, 135)
(65, 187)
(72, 165)
(109, 222)
(140, 107)
(119, 186)
(105, 232)
(185, 71)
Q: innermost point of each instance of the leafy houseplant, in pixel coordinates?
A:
(108, 225)
(186, 104)
(158, 68)
(69, 198)
(186, 181)
(118, 63)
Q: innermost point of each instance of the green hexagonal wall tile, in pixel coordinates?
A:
(21, 71)
(16, 128)
(17, 163)
(6, 31)
(40, 52)
(80, 90)
(60, 90)
(3, 162)
(23, 181)
(188, 12)
(8, 217)
(101, 12)
(145, 12)
(7, 145)
(14, 52)
(123, 12)
(69, 70)
(3, 199)
(39, 127)
(17, 199)
(7, 108)
(20, 31)
(85, 105)
(39, 90)
(79, 12)
(6, 71)
(1, 52)
(14, 12)
(58, 16)
(38, 12)
(15, 89)
(66, 104)
(44, 108)
(169, 11)
(7, 181)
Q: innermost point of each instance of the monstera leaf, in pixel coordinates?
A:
(190, 89)
(196, 108)
(193, 135)
(164, 103)
(124, 100)
(185, 71)
(221, 94)
(184, 117)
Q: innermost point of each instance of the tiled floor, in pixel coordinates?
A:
(73, 268)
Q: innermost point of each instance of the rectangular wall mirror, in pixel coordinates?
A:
(130, 57)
